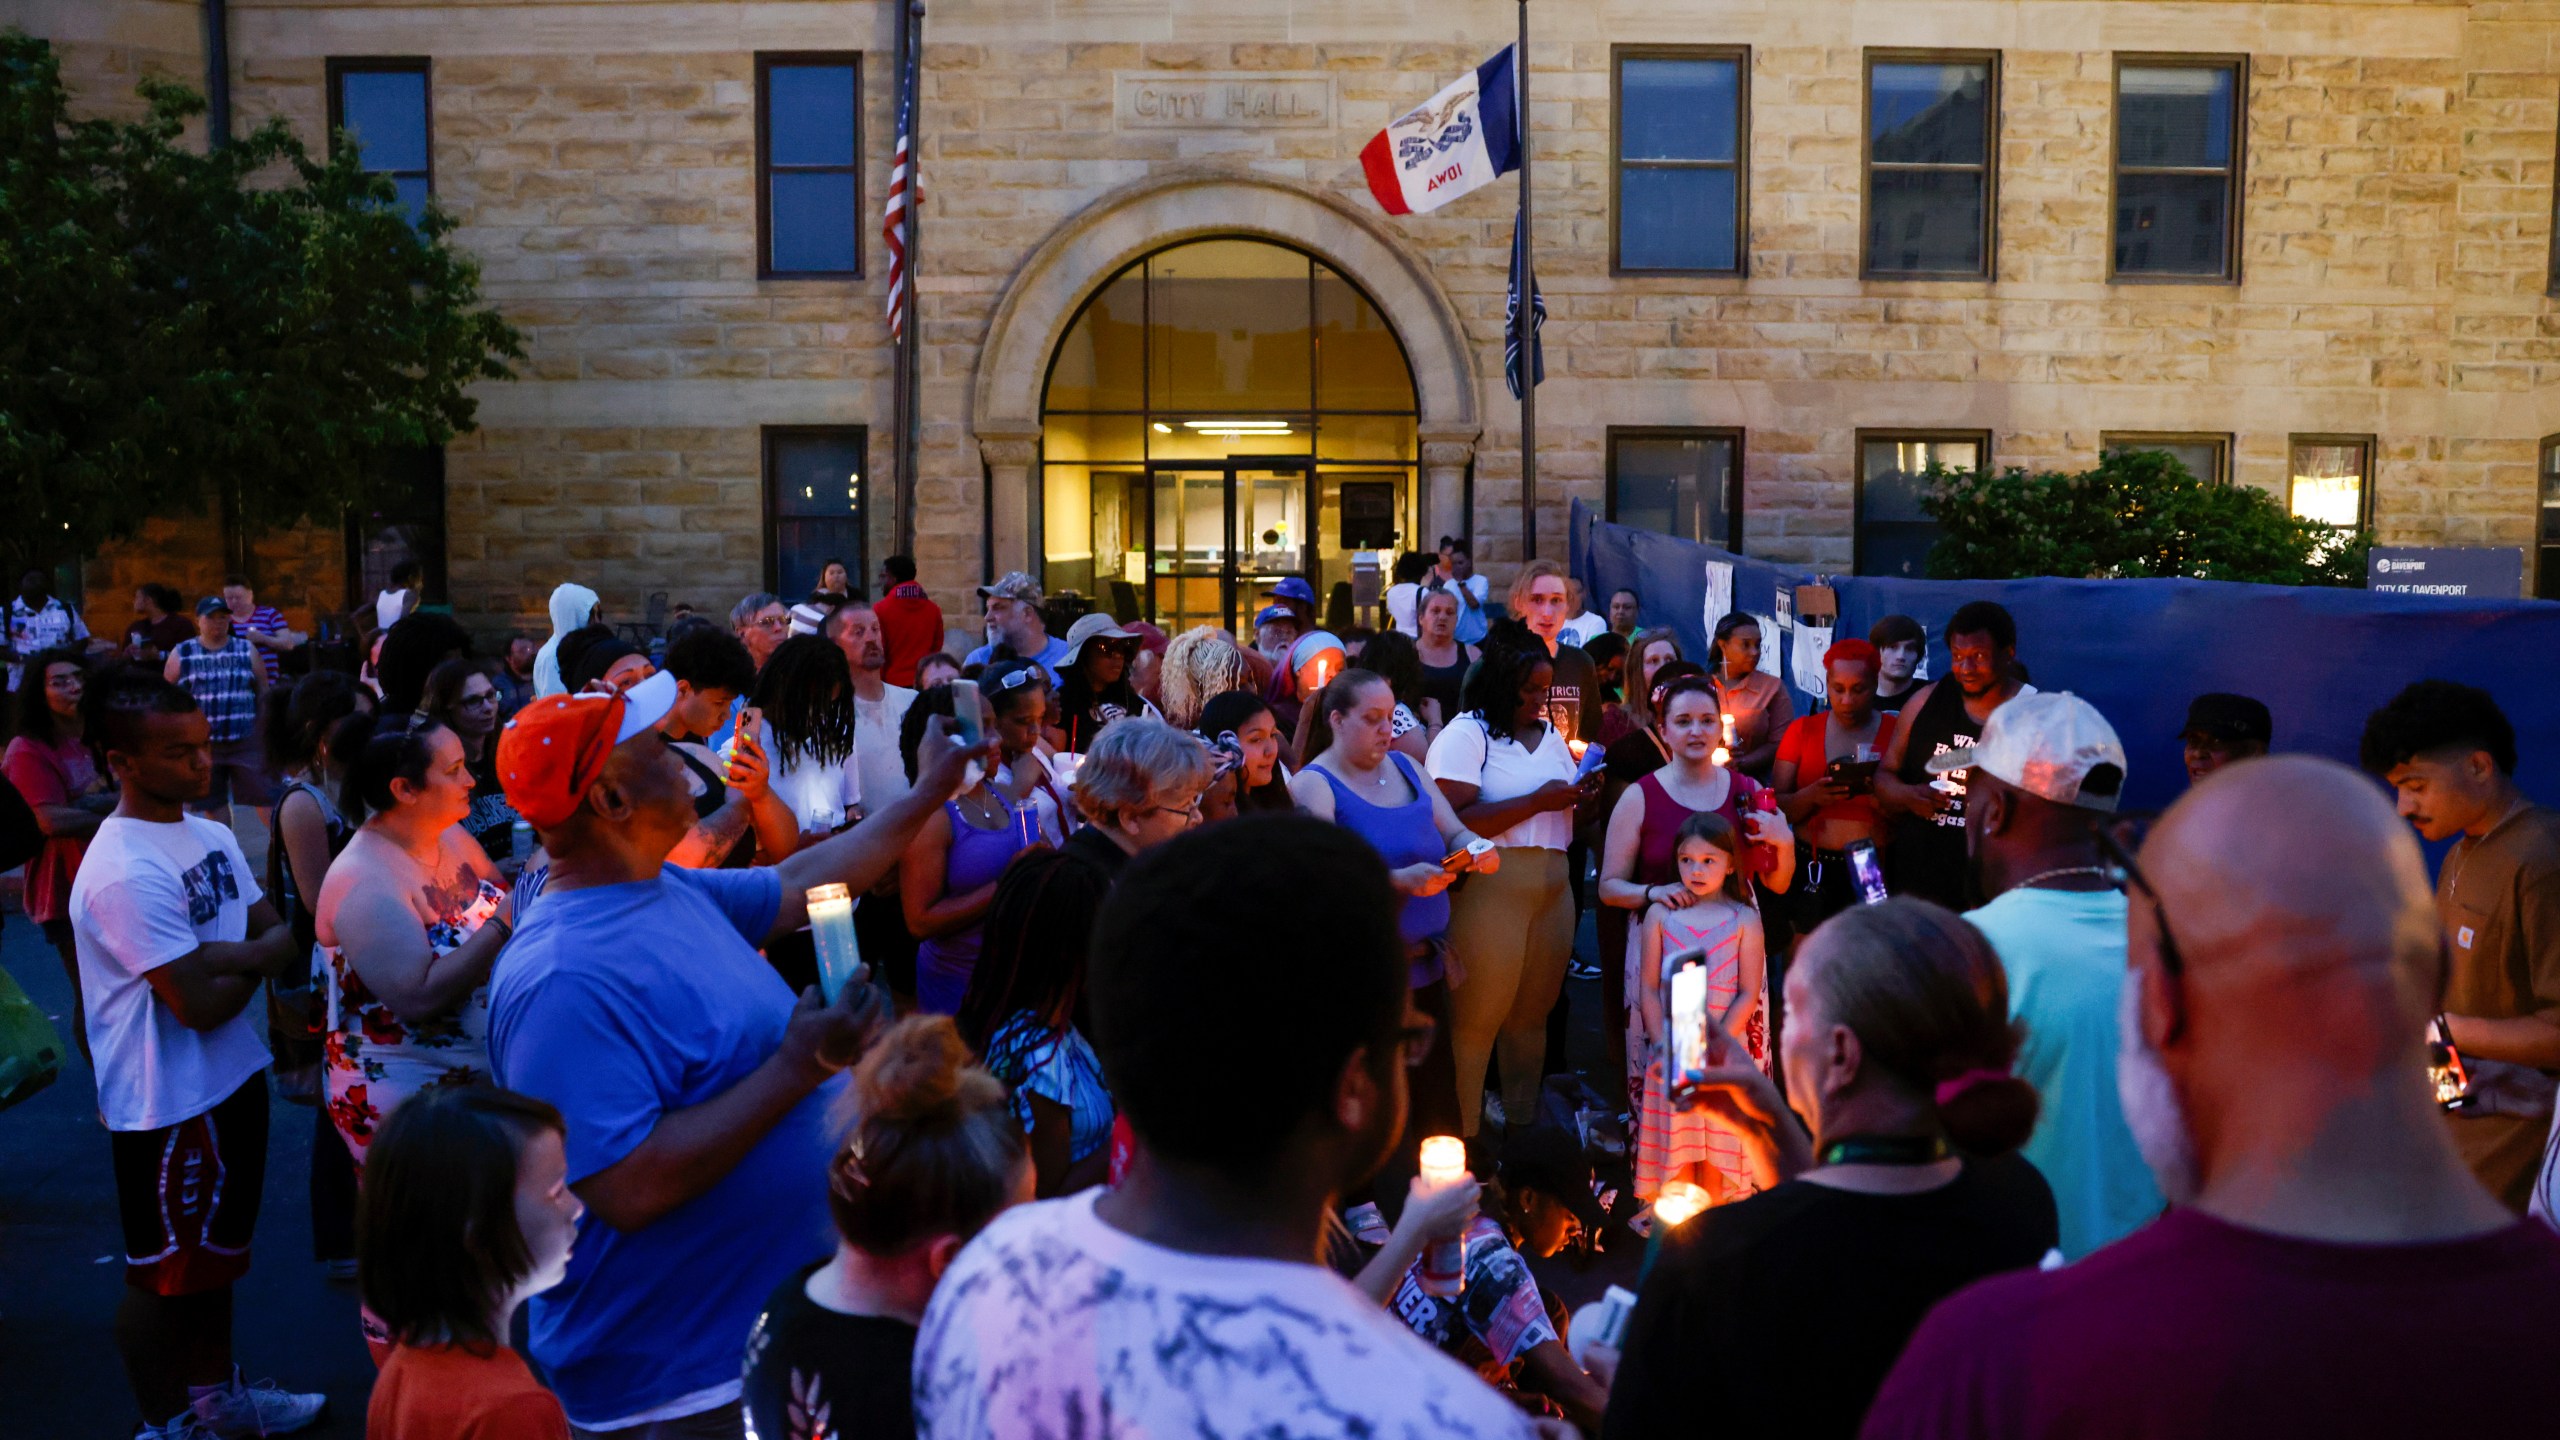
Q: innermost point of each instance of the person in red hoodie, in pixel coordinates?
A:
(910, 623)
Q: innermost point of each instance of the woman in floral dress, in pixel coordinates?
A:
(409, 922)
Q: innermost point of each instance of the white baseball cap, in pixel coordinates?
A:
(2051, 744)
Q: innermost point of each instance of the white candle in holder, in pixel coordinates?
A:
(831, 926)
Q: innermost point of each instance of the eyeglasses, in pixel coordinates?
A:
(1191, 809)
(2129, 878)
(485, 697)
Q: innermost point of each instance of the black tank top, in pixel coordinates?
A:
(1927, 859)
(1443, 682)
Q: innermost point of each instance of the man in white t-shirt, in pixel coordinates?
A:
(1186, 1301)
(879, 713)
(174, 938)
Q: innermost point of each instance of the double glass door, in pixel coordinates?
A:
(1221, 536)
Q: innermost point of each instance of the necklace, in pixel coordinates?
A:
(2100, 871)
(2460, 860)
(1885, 1150)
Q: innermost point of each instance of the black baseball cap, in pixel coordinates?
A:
(2229, 717)
(1547, 1158)
(212, 605)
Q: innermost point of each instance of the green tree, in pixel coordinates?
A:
(2139, 514)
(252, 323)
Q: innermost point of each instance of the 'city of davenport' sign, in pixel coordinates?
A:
(1152, 101)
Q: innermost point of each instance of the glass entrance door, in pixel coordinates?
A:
(1222, 536)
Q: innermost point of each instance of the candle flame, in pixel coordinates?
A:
(1679, 1202)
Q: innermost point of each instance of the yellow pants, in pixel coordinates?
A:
(1511, 933)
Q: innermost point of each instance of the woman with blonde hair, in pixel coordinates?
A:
(1200, 664)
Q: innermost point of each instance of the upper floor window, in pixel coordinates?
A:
(2207, 457)
(2178, 143)
(381, 107)
(1682, 127)
(2333, 479)
(1932, 131)
(1686, 483)
(809, 164)
(1894, 531)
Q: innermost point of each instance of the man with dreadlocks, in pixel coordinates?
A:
(805, 694)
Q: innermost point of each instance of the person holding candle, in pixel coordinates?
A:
(1188, 1293)
(1900, 1186)
(947, 878)
(1508, 776)
(1830, 813)
(1715, 917)
(1759, 704)
(1639, 859)
(695, 1089)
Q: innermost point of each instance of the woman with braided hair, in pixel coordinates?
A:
(1200, 664)
(804, 695)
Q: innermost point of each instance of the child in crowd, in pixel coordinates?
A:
(467, 1213)
(935, 1156)
(1671, 1143)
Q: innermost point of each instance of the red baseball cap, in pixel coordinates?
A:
(556, 747)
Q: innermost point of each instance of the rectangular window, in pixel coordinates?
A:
(2546, 572)
(381, 107)
(1682, 121)
(2177, 175)
(1894, 532)
(1686, 483)
(404, 522)
(2207, 457)
(1932, 130)
(814, 506)
(2333, 479)
(809, 164)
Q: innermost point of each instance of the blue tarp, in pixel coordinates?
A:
(2139, 650)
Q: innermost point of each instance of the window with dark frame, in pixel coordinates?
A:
(404, 521)
(1681, 121)
(2207, 457)
(2546, 570)
(1893, 532)
(1932, 126)
(814, 508)
(809, 165)
(2332, 479)
(1680, 482)
(2177, 171)
(382, 107)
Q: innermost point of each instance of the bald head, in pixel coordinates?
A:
(2290, 876)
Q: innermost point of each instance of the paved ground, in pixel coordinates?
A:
(61, 1256)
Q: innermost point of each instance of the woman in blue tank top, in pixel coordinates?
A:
(1358, 781)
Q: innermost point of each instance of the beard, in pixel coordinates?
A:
(2151, 1107)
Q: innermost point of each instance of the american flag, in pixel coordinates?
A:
(903, 190)
(1515, 331)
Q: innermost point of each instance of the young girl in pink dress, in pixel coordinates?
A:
(1717, 918)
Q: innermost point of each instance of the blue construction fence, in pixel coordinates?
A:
(2139, 650)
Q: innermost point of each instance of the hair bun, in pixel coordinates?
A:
(912, 1073)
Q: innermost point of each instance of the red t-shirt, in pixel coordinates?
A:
(52, 775)
(910, 629)
(2194, 1328)
(444, 1392)
(1806, 742)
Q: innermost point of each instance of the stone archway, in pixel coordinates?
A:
(1054, 282)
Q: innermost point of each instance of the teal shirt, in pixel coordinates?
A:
(2064, 951)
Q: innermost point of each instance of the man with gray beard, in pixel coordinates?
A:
(2329, 1267)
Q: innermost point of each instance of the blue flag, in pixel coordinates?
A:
(1515, 331)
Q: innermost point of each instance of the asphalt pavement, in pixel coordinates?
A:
(62, 1257)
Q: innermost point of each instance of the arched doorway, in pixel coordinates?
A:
(1220, 414)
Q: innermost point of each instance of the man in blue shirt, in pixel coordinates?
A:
(1013, 613)
(697, 1092)
(2046, 774)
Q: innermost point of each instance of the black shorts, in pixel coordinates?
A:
(189, 1193)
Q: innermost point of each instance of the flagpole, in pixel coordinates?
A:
(910, 46)
(1528, 288)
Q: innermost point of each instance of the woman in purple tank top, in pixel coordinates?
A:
(1358, 781)
(947, 878)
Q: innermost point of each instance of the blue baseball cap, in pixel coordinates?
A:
(1296, 589)
(1269, 613)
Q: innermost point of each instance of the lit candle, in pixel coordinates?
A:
(831, 926)
(1729, 734)
(1678, 1202)
(1577, 747)
(1721, 758)
(1444, 1258)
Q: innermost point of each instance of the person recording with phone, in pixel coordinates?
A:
(1825, 778)
(1714, 930)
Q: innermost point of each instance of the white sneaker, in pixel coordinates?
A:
(182, 1426)
(241, 1410)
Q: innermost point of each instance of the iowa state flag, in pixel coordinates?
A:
(1457, 141)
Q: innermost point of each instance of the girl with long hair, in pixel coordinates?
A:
(805, 694)
(1760, 706)
(1716, 919)
(1245, 721)
(50, 762)
(462, 695)
(932, 1157)
(1647, 652)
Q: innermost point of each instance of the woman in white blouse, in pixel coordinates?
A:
(1510, 778)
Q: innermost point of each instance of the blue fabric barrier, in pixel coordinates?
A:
(2139, 650)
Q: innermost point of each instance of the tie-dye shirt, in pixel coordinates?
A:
(1054, 1324)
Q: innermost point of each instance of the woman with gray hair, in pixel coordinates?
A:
(1138, 787)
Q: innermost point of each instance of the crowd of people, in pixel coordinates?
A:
(1200, 1070)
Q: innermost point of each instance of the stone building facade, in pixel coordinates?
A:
(2387, 295)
